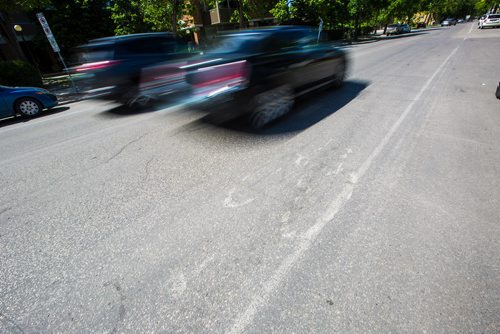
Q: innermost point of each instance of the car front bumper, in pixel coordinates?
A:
(48, 100)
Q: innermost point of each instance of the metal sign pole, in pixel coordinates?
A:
(68, 73)
(320, 28)
(55, 46)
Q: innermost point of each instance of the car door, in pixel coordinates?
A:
(5, 109)
(303, 62)
(317, 62)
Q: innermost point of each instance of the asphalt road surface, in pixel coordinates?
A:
(371, 209)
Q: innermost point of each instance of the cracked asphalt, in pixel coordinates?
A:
(370, 209)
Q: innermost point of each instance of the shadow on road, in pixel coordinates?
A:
(20, 119)
(308, 111)
(127, 111)
(123, 111)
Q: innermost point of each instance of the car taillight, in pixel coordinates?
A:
(96, 65)
(162, 75)
(229, 74)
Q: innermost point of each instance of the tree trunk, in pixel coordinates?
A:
(240, 14)
(175, 5)
(356, 26)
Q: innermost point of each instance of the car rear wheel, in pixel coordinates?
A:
(271, 105)
(28, 106)
(339, 76)
(139, 102)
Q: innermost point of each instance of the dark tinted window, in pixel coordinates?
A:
(92, 54)
(291, 39)
(147, 46)
(238, 43)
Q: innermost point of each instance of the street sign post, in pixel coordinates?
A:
(320, 29)
(54, 45)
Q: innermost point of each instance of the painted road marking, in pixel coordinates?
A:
(306, 240)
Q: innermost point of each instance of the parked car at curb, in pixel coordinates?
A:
(259, 73)
(406, 28)
(394, 29)
(448, 22)
(110, 68)
(25, 101)
(490, 20)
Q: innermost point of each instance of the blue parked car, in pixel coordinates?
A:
(26, 101)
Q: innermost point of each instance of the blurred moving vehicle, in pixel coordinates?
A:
(25, 101)
(460, 21)
(259, 73)
(421, 25)
(490, 20)
(448, 22)
(110, 68)
(394, 29)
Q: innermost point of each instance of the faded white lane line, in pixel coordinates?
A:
(364, 167)
(471, 27)
(259, 300)
(301, 160)
(470, 30)
(229, 202)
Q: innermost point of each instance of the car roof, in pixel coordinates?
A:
(126, 38)
(266, 30)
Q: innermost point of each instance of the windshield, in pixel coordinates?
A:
(94, 54)
(237, 43)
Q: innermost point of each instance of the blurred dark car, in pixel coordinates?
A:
(449, 22)
(421, 25)
(394, 29)
(406, 28)
(26, 101)
(111, 67)
(259, 73)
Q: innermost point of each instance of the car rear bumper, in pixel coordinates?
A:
(224, 103)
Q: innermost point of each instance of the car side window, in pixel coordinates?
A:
(148, 46)
(289, 40)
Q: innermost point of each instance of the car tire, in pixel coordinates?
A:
(28, 107)
(339, 77)
(271, 105)
(139, 102)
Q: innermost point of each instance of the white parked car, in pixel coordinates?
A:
(490, 20)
